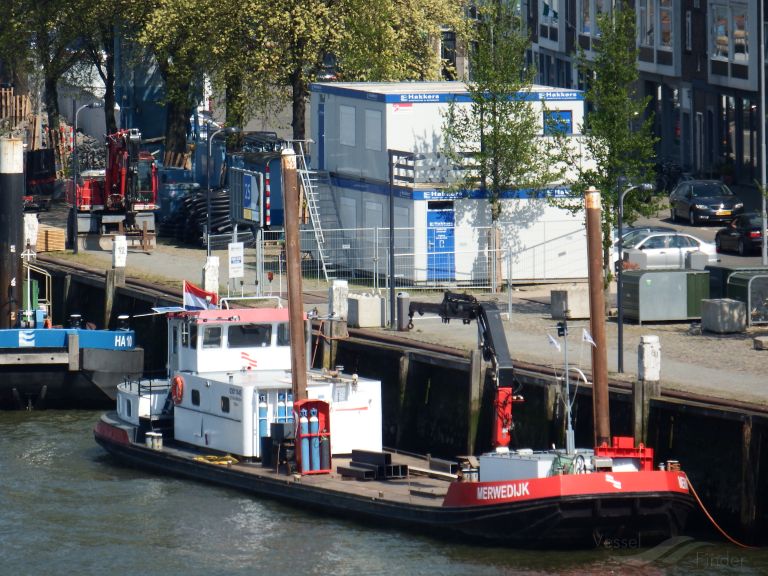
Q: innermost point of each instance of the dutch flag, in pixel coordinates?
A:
(198, 299)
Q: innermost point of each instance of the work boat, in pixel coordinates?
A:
(228, 414)
(68, 366)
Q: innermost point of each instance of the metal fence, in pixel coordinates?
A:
(361, 256)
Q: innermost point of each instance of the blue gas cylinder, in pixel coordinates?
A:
(263, 416)
(314, 428)
(303, 431)
(281, 407)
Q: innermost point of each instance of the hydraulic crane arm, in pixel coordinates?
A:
(466, 308)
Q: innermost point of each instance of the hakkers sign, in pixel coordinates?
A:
(503, 492)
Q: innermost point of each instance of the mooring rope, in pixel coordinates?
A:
(711, 519)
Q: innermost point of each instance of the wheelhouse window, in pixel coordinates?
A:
(196, 397)
(250, 335)
(283, 334)
(212, 337)
(225, 404)
(193, 337)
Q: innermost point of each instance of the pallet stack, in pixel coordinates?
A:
(14, 109)
(50, 239)
(178, 160)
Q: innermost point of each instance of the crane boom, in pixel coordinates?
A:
(493, 342)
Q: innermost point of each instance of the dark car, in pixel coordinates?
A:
(743, 235)
(704, 201)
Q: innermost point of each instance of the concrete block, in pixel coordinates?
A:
(696, 260)
(723, 315)
(364, 311)
(575, 300)
(760, 342)
(337, 299)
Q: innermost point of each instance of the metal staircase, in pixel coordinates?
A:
(310, 181)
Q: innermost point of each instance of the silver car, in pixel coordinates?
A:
(668, 249)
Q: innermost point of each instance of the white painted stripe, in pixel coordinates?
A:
(11, 156)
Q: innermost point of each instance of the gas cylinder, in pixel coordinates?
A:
(303, 432)
(281, 407)
(262, 416)
(314, 428)
(325, 453)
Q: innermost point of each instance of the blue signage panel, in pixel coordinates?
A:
(441, 255)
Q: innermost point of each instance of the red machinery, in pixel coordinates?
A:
(126, 194)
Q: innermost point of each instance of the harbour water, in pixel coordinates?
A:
(67, 508)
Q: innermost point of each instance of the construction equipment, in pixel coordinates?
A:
(123, 197)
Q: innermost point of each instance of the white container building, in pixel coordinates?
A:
(355, 126)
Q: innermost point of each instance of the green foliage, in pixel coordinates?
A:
(620, 138)
(497, 139)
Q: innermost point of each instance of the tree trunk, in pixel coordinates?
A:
(51, 99)
(233, 95)
(299, 88)
(109, 93)
(176, 124)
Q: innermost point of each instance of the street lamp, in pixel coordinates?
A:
(619, 291)
(402, 161)
(75, 165)
(227, 131)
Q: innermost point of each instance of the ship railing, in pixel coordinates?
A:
(225, 302)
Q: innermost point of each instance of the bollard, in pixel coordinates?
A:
(647, 385)
(403, 303)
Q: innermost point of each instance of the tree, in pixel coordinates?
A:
(620, 138)
(264, 52)
(177, 33)
(52, 28)
(499, 133)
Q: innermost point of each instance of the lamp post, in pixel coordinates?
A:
(211, 136)
(619, 290)
(75, 164)
(761, 132)
(397, 159)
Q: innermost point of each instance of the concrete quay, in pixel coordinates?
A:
(717, 366)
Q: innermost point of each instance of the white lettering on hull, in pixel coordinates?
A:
(503, 491)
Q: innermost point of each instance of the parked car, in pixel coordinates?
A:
(704, 201)
(668, 249)
(743, 234)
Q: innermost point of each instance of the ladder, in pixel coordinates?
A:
(309, 181)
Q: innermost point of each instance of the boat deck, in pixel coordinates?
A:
(420, 486)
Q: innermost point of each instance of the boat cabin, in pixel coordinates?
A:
(232, 411)
(248, 339)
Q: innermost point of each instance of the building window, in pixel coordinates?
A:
(729, 38)
(549, 12)
(373, 130)
(347, 125)
(589, 10)
(448, 55)
(665, 24)
(655, 24)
